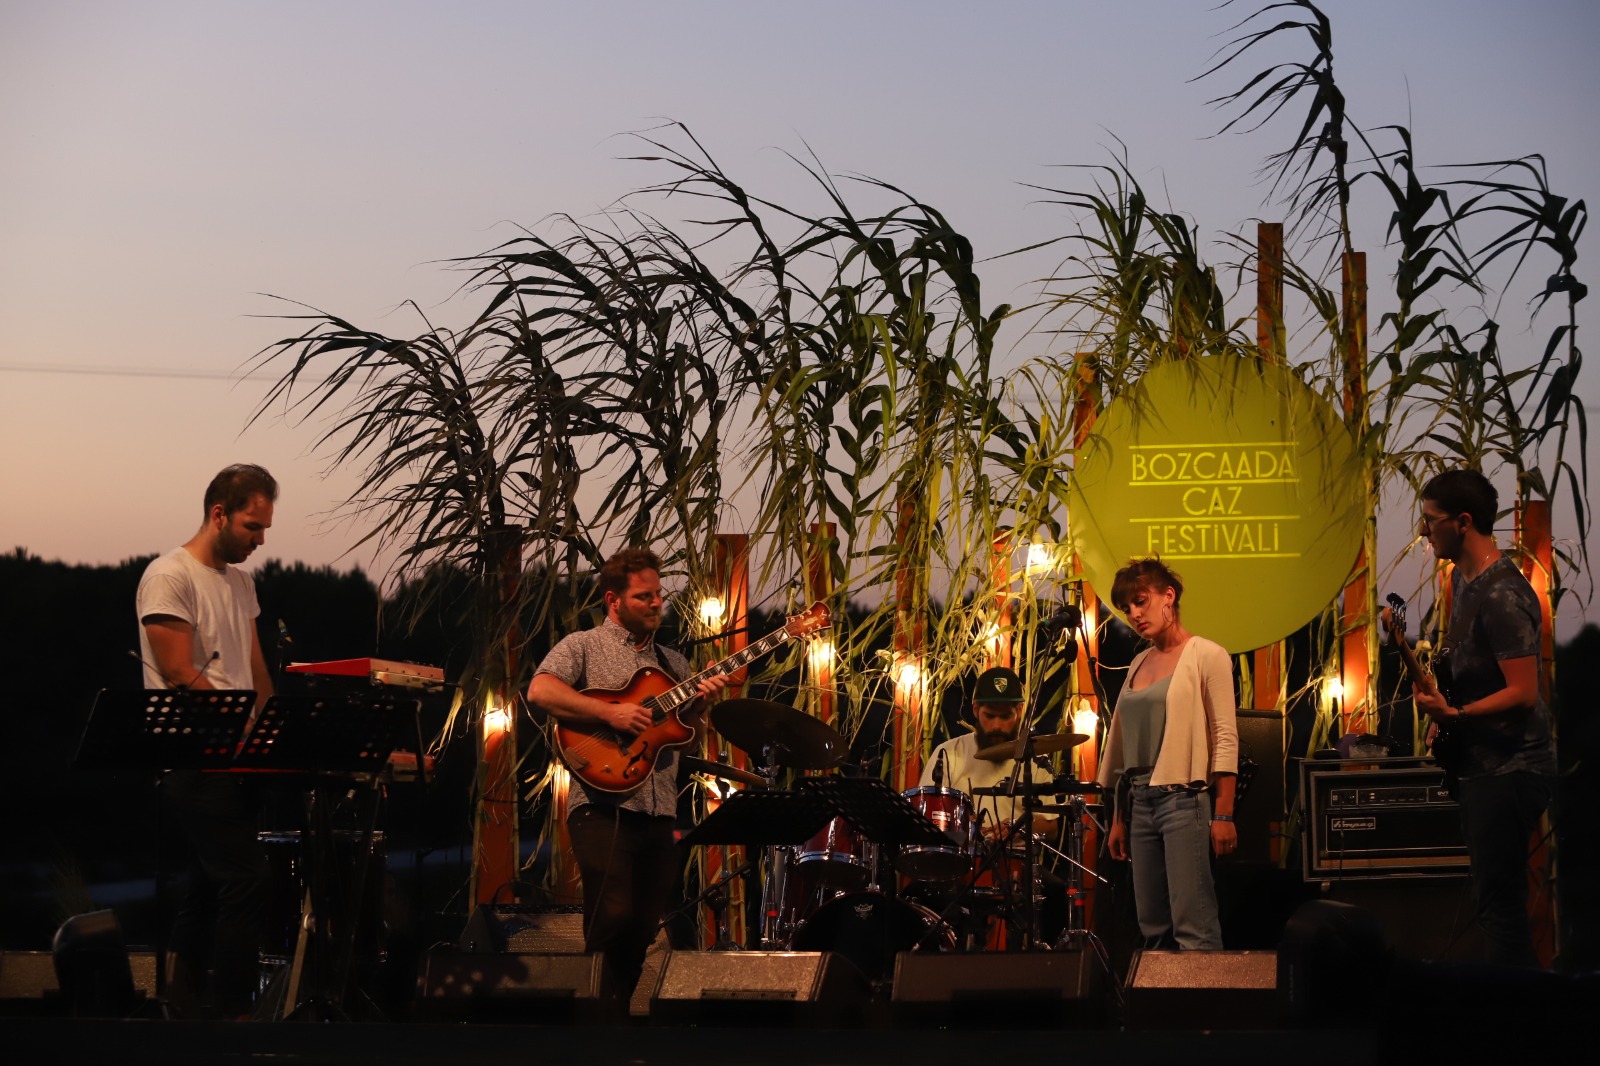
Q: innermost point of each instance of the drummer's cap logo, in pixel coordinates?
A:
(998, 685)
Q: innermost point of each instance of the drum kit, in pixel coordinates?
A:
(848, 865)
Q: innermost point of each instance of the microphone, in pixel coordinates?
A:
(938, 770)
(203, 667)
(157, 670)
(1065, 617)
(1060, 626)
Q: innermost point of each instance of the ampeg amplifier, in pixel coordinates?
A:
(1378, 817)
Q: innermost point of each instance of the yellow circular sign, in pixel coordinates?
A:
(1240, 478)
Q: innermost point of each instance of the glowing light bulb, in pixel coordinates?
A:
(496, 720)
(1041, 555)
(1333, 690)
(712, 611)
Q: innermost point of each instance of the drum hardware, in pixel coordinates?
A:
(723, 772)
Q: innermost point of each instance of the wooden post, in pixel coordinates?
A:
(909, 642)
(1268, 691)
(1358, 616)
(1538, 566)
(730, 579)
(998, 649)
(820, 652)
(495, 848)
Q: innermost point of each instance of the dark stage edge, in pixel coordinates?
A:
(124, 1042)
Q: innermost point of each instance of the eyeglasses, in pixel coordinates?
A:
(1426, 522)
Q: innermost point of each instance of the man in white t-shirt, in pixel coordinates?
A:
(197, 629)
(996, 714)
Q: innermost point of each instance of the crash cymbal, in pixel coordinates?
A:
(792, 738)
(1043, 744)
(724, 771)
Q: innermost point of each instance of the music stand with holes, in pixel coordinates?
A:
(330, 736)
(163, 729)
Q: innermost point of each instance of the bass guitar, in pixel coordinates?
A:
(611, 761)
(1445, 745)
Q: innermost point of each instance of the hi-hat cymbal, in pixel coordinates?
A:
(724, 771)
(1043, 744)
(791, 738)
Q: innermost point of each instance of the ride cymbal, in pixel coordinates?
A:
(1043, 744)
(791, 738)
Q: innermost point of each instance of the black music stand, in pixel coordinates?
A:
(757, 818)
(164, 729)
(877, 811)
(153, 730)
(329, 736)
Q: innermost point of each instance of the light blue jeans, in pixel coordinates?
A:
(1169, 843)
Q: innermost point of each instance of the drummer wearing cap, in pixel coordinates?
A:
(997, 718)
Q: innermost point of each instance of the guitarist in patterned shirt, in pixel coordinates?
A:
(623, 842)
(1500, 742)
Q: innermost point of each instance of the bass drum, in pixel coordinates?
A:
(870, 929)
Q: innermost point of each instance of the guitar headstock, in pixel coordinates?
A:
(1394, 617)
(813, 619)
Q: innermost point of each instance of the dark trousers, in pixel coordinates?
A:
(1498, 816)
(629, 862)
(223, 912)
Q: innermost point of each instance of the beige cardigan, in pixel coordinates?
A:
(1201, 737)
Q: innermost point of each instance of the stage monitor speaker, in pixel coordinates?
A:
(511, 988)
(92, 966)
(522, 928)
(813, 989)
(1065, 988)
(519, 927)
(1202, 990)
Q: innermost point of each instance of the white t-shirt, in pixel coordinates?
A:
(966, 772)
(220, 605)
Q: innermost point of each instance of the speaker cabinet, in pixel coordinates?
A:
(1203, 990)
(510, 988)
(515, 927)
(1425, 919)
(1064, 988)
(814, 989)
(1262, 812)
(522, 928)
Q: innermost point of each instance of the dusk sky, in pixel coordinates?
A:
(167, 163)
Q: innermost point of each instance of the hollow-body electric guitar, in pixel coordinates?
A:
(1445, 746)
(610, 761)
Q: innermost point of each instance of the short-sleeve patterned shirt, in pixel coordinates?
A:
(605, 657)
(1506, 622)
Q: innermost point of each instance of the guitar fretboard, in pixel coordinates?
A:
(688, 690)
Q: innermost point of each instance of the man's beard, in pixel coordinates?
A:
(987, 739)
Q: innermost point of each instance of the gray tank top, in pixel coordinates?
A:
(1144, 719)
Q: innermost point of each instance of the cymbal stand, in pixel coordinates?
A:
(1030, 858)
(774, 934)
(1077, 926)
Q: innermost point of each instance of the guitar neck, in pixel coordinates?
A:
(1419, 676)
(688, 689)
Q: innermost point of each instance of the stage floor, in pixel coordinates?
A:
(34, 1040)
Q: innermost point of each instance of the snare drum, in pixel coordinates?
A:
(951, 810)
